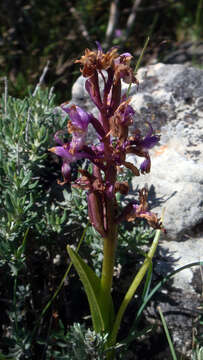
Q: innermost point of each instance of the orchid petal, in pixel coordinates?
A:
(79, 117)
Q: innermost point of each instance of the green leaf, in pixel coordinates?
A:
(133, 287)
(8, 203)
(91, 283)
(147, 282)
(159, 285)
(33, 185)
(26, 179)
(63, 218)
(171, 346)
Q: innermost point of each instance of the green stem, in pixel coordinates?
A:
(108, 264)
(198, 19)
(133, 287)
(138, 63)
(109, 248)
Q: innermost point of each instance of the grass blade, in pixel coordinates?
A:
(167, 334)
(159, 285)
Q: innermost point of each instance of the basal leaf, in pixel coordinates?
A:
(101, 317)
(91, 284)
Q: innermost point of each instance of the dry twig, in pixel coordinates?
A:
(112, 23)
(81, 25)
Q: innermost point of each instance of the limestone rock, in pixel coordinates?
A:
(170, 96)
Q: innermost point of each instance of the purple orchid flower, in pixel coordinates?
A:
(79, 121)
(68, 157)
(146, 144)
(140, 146)
(79, 118)
(150, 140)
(108, 154)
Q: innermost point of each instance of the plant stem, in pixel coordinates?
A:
(138, 63)
(108, 264)
(109, 248)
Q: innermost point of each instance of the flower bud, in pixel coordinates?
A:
(95, 212)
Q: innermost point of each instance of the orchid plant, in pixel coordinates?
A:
(107, 156)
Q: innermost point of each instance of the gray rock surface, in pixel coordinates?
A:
(175, 184)
(171, 95)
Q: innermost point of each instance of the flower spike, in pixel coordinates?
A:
(113, 143)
